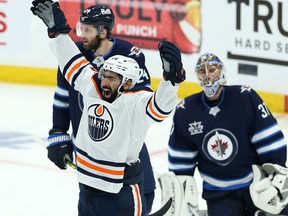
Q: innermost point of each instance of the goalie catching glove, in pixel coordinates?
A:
(269, 191)
(60, 146)
(171, 62)
(52, 16)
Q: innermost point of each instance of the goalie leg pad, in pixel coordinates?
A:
(183, 191)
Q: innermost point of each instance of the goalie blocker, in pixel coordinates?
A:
(269, 189)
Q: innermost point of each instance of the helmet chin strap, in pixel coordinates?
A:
(119, 90)
(120, 86)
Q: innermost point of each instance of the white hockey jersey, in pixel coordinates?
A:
(110, 135)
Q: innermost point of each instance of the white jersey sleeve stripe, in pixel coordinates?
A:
(181, 166)
(60, 104)
(61, 92)
(222, 183)
(273, 129)
(181, 153)
(278, 144)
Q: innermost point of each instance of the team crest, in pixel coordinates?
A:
(220, 146)
(135, 51)
(100, 122)
(195, 128)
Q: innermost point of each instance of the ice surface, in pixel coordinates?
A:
(30, 185)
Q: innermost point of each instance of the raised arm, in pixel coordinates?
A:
(73, 65)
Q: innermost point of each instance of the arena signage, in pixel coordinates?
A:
(146, 22)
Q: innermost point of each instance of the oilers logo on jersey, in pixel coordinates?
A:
(220, 146)
(100, 122)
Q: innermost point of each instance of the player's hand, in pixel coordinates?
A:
(52, 16)
(60, 145)
(171, 62)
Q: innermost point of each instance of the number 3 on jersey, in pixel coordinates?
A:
(264, 110)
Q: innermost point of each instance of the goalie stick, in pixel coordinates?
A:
(163, 209)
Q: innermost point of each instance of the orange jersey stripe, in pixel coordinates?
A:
(75, 67)
(134, 92)
(100, 169)
(96, 87)
(154, 113)
(138, 200)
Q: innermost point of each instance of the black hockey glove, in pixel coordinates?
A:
(52, 16)
(171, 62)
(60, 145)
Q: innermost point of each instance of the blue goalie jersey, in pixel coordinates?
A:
(225, 138)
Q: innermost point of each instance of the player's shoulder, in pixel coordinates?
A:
(122, 42)
(138, 89)
(241, 90)
(80, 46)
(124, 47)
(189, 102)
(89, 55)
(244, 94)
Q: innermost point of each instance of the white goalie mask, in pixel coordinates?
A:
(127, 67)
(210, 73)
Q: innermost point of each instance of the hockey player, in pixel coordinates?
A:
(115, 118)
(95, 28)
(223, 131)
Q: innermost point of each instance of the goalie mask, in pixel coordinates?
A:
(99, 16)
(210, 73)
(127, 67)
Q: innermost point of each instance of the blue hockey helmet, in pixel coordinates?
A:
(99, 16)
(210, 73)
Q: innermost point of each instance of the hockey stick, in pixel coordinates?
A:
(163, 209)
(66, 157)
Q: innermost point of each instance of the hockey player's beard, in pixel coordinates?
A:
(93, 45)
(108, 94)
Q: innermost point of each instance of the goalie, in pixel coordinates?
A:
(223, 131)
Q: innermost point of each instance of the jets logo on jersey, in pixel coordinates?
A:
(135, 51)
(100, 122)
(220, 146)
(195, 128)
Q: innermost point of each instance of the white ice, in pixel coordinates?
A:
(30, 185)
